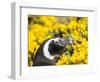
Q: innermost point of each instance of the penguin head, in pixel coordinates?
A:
(58, 45)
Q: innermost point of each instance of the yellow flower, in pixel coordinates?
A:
(73, 24)
(32, 46)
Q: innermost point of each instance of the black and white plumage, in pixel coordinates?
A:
(50, 49)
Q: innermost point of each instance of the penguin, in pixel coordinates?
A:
(50, 49)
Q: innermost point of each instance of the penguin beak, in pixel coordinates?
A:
(68, 41)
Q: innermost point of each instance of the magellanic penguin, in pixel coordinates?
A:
(50, 49)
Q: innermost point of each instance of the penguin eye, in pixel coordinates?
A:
(56, 42)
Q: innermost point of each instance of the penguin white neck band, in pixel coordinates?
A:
(46, 52)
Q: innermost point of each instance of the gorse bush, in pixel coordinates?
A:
(41, 28)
